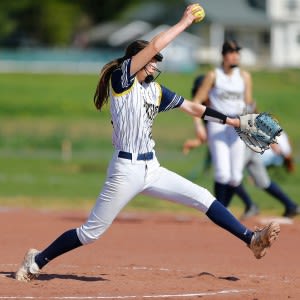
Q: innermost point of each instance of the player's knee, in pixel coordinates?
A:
(88, 234)
(262, 184)
(236, 179)
(235, 182)
(222, 178)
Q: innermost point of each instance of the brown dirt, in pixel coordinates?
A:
(148, 256)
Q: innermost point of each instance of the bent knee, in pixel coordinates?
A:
(88, 234)
(222, 178)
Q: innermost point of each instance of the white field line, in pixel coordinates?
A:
(163, 296)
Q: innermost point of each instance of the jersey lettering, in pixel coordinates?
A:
(228, 93)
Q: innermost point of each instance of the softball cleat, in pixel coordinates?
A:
(28, 270)
(263, 238)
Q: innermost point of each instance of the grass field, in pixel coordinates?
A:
(41, 113)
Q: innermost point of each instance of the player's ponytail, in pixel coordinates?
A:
(102, 90)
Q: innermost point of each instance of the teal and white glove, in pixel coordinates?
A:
(258, 131)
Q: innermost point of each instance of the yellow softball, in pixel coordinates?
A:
(198, 13)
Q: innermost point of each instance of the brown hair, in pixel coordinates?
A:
(230, 46)
(102, 90)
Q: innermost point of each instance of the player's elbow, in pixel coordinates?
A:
(193, 109)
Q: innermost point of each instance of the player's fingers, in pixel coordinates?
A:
(195, 7)
(188, 15)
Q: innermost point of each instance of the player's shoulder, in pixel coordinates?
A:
(156, 86)
(245, 74)
(210, 77)
(211, 74)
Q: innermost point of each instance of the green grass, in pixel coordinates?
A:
(39, 113)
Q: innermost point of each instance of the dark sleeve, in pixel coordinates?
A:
(169, 100)
(121, 79)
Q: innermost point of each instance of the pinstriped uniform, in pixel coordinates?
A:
(134, 107)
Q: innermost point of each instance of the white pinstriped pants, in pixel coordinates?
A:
(127, 178)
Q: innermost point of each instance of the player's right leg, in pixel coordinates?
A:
(124, 180)
(251, 209)
(262, 180)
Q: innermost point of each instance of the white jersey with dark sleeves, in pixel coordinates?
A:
(228, 94)
(133, 107)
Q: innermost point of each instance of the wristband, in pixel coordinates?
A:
(213, 116)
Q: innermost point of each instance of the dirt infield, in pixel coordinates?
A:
(148, 256)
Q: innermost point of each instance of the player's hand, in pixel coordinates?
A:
(276, 148)
(192, 14)
(200, 131)
(190, 144)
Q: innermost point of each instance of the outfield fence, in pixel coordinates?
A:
(55, 60)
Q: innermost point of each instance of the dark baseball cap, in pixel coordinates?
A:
(230, 46)
(138, 45)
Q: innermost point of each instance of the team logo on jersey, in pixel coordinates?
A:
(230, 95)
(151, 110)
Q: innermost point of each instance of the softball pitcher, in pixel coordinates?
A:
(135, 100)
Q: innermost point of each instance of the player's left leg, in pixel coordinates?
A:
(251, 209)
(168, 185)
(220, 155)
(237, 158)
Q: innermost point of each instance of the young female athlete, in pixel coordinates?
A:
(135, 100)
(229, 90)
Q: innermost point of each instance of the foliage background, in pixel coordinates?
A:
(54, 23)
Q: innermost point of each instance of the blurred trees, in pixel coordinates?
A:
(33, 22)
(54, 22)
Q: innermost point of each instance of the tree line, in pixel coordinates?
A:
(54, 22)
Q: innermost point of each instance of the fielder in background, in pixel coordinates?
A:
(135, 101)
(280, 154)
(257, 170)
(253, 162)
(229, 90)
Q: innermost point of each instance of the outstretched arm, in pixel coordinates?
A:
(206, 113)
(163, 39)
